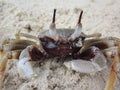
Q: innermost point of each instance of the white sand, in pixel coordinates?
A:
(101, 16)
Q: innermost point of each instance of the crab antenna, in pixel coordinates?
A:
(80, 17)
(53, 21)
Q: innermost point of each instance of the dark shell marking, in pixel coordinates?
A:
(61, 48)
(36, 54)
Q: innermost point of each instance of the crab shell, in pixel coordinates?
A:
(57, 43)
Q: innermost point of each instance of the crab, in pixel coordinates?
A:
(87, 53)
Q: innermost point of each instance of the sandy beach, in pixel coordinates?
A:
(100, 16)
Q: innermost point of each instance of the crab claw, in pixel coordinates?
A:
(25, 68)
(95, 64)
(24, 65)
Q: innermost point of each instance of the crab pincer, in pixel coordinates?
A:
(30, 53)
(90, 61)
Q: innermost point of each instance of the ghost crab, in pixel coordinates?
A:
(89, 52)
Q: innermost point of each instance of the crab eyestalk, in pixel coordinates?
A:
(78, 29)
(52, 25)
(80, 17)
(79, 24)
(52, 31)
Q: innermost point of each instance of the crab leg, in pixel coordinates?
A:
(28, 42)
(100, 43)
(96, 35)
(27, 36)
(4, 60)
(2, 70)
(25, 42)
(2, 52)
(16, 45)
(113, 74)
